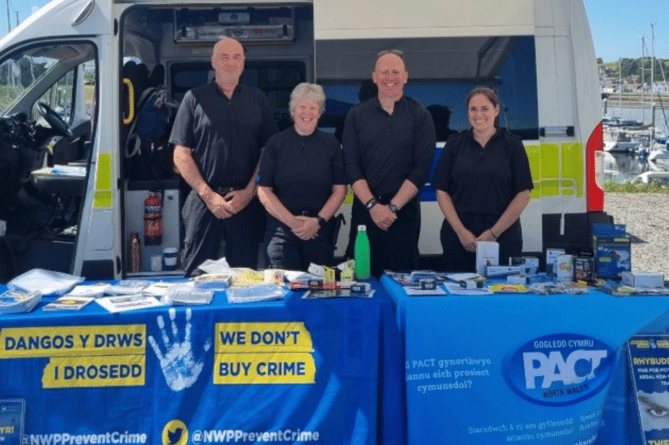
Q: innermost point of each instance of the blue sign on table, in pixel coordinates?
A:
(649, 362)
(12, 412)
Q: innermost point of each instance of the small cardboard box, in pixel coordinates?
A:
(612, 249)
(642, 279)
(551, 259)
(487, 254)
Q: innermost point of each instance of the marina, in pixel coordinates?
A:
(635, 142)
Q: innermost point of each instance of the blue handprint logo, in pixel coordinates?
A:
(178, 363)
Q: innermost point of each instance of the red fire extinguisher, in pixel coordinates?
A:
(153, 219)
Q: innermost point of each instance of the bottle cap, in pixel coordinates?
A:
(362, 228)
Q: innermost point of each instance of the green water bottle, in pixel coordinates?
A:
(361, 254)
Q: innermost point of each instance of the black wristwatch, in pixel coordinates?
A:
(321, 220)
(393, 207)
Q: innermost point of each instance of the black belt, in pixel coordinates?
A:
(309, 213)
(225, 190)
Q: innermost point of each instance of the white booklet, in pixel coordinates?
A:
(124, 303)
(456, 289)
(416, 291)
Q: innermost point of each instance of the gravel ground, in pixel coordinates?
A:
(646, 216)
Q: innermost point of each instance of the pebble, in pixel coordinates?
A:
(646, 216)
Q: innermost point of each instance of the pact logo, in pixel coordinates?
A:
(175, 432)
(559, 369)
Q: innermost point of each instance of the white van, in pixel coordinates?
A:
(72, 74)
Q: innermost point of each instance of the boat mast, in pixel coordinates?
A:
(643, 90)
(620, 88)
(652, 78)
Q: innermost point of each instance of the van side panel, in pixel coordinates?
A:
(427, 18)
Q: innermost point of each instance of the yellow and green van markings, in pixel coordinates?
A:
(557, 169)
(103, 182)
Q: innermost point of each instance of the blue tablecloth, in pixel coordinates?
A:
(295, 371)
(513, 368)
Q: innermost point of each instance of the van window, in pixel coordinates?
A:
(277, 79)
(18, 74)
(60, 98)
(61, 76)
(456, 66)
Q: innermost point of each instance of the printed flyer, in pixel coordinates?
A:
(12, 418)
(649, 362)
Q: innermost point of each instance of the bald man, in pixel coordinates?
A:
(389, 144)
(218, 135)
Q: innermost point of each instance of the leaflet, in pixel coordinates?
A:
(128, 303)
(68, 303)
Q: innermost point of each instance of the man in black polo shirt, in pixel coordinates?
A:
(218, 133)
(388, 145)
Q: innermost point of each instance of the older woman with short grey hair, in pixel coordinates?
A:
(303, 90)
(301, 184)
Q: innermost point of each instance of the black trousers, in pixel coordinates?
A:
(457, 259)
(204, 232)
(395, 249)
(285, 250)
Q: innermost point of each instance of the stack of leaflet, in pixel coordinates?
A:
(128, 295)
(16, 301)
(122, 303)
(157, 289)
(213, 281)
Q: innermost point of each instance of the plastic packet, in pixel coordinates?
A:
(46, 282)
(127, 287)
(247, 294)
(185, 294)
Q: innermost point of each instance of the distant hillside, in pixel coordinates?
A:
(632, 67)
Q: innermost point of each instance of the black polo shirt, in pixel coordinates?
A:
(302, 169)
(387, 149)
(483, 180)
(225, 135)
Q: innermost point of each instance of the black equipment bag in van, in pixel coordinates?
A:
(147, 151)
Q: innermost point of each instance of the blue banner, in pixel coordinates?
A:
(513, 368)
(294, 371)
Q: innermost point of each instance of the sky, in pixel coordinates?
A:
(617, 25)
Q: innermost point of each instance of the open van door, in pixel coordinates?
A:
(48, 110)
(50, 80)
